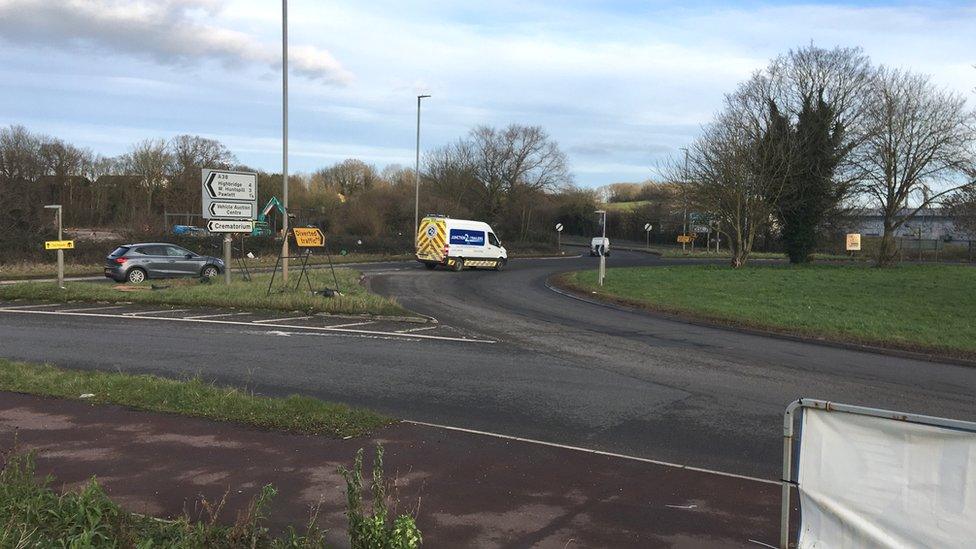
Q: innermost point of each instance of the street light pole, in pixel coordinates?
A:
(684, 194)
(284, 137)
(57, 208)
(416, 174)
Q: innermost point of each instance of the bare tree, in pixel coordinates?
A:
(347, 177)
(152, 162)
(918, 149)
(190, 154)
(20, 168)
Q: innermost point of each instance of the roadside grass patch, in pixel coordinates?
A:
(927, 308)
(355, 299)
(192, 397)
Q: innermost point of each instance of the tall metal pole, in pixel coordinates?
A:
(284, 136)
(416, 174)
(60, 253)
(603, 248)
(684, 194)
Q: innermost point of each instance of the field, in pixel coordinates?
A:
(925, 308)
(355, 299)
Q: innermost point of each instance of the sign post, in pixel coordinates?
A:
(559, 233)
(60, 244)
(647, 230)
(230, 202)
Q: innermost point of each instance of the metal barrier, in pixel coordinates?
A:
(788, 442)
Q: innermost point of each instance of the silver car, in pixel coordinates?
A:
(134, 263)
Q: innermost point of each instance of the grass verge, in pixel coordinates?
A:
(192, 397)
(922, 308)
(26, 270)
(239, 294)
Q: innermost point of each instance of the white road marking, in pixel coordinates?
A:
(30, 306)
(251, 324)
(138, 313)
(217, 316)
(282, 319)
(353, 324)
(91, 309)
(409, 330)
(587, 450)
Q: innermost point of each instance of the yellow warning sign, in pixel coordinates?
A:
(59, 245)
(686, 238)
(308, 237)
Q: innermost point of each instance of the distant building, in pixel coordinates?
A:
(934, 223)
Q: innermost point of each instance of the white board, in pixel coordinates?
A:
(874, 482)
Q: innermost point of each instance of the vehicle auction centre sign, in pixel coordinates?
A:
(308, 237)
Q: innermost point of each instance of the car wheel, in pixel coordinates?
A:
(500, 264)
(136, 276)
(209, 271)
(458, 264)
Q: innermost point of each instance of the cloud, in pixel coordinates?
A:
(171, 32)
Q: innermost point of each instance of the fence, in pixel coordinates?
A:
(877, 478)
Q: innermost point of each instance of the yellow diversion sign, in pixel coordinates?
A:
(308, 237)
(431, 239)
(59, 245)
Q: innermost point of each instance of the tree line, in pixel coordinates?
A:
(820, 131)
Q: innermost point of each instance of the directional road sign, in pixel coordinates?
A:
(232, 210)
(229, 195)
(230, 226)
(59, 245)
(308, 237)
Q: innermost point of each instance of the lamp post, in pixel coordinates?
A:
(684, 194)
(416, 174)
(602, 248)
(284, 137)
(57, 207)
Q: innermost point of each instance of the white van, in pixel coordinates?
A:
(600, 246)
(458, 243)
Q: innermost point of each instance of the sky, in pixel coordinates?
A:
(621, 85)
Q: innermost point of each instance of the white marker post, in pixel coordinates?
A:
(559, 232)
(647, 229)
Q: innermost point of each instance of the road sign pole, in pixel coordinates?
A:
(227, 245)
(60, 253)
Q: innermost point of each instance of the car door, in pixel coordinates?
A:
(180, 264)
(155, 261)
(494, 247)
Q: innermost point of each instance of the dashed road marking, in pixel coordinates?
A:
(281, 319)
(139, 313)
(90, 309)
(331, 329)
(410, 330)
(217, 315)
(353, 324)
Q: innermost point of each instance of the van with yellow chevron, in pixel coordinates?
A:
(458, 243)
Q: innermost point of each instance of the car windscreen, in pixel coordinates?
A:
(119, 251)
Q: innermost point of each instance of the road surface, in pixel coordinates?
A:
(518, 359)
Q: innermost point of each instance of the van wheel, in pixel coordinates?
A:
(500, 264)
(136, 276)
(458, 265)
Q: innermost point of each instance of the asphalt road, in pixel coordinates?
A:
(561, 370)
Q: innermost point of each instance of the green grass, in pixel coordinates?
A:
(31, 269)
(925, 308)
(33, 514)
(239, 294)
(192, 397)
